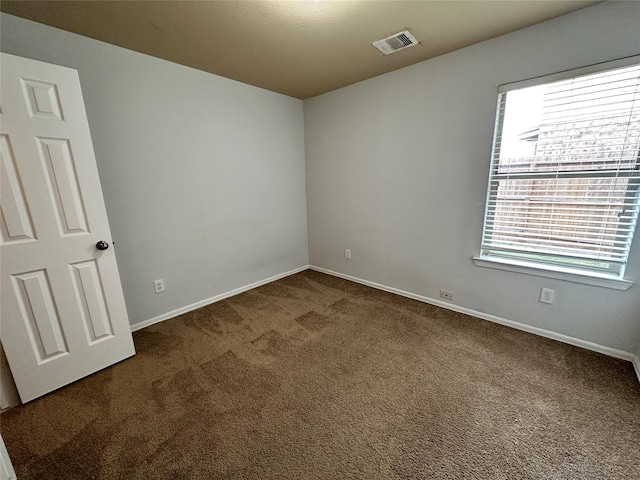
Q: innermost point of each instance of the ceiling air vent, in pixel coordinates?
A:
(396, 42)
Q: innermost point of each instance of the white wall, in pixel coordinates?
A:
(397, 170)
(203, 177)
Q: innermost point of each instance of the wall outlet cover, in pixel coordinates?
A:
(447, 295)
(158, 285)
(546, 295)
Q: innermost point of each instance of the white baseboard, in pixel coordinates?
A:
(612, 352)
(217, 298)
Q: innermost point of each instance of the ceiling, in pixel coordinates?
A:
(298, 48)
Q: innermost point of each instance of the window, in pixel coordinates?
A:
(565, 171)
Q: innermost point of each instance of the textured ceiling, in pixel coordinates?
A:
(298, 48)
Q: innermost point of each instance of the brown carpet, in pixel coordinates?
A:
(313, 377)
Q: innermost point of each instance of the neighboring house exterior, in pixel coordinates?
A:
(578, 196)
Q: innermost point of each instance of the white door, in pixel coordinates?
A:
(62, 309)
(6, 468)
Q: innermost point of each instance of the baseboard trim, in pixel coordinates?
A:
(612, 352)
(179, 311)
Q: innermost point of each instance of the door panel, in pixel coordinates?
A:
(41, 99)
(62, 182)
(63, 312)
(90, 295)
(39, 315)
(17, 225)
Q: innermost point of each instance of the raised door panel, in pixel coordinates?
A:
(41, 99)
(91, 298)
(17, 225)
(39, 315)
(58, 164)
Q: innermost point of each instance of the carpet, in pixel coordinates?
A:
(315, 377)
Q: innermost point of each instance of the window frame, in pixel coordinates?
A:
(540, 268)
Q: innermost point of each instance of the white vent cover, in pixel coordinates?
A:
(396, 42)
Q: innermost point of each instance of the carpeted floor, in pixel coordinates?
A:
(313, 377)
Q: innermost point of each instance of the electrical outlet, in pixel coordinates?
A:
(158, 285)
(546, 295)
(446, 295)
(347, 253)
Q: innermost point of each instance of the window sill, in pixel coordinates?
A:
(559, 273)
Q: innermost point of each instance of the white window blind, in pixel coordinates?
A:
(565, 172)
